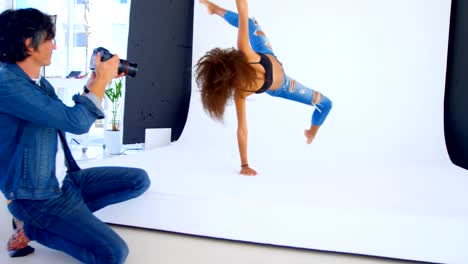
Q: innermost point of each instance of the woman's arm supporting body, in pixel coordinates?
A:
(243, 44)
(242, 133)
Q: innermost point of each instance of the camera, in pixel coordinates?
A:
(129, 68)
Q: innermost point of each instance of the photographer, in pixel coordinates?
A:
(31, 117)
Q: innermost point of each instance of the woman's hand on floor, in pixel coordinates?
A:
(247, 171)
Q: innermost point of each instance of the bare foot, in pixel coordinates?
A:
(209, 6)
(310, 135)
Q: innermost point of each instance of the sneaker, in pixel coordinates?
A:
(18, 243)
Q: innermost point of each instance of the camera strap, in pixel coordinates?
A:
(69, 160)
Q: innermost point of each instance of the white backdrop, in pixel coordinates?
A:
(377, 179)
(381, 62)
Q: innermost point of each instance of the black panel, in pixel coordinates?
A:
(456, 90)
(160, 42)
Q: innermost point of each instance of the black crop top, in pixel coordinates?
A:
(266, 63)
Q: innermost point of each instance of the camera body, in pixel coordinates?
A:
(129, 68)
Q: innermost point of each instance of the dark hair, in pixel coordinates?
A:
(220, 74)
(18, 25)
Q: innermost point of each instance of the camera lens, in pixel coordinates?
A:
(129, 68)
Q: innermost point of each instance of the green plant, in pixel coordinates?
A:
(114, 93)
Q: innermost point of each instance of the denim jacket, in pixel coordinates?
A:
(30, 116)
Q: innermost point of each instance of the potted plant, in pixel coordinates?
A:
(112, 136)
(114, 93)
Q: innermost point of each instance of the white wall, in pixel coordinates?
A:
(5, 4)
(381, 62)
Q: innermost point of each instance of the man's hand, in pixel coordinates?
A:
(104, 73)
(107, 70)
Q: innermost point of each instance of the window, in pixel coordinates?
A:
(82, 26)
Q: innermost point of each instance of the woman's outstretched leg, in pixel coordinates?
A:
(258, 39)
(231, 17)
(323, 106)
(213, 8)
(295, 91)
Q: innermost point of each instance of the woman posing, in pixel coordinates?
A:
(251, 69)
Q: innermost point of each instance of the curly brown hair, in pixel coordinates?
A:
(220, 74)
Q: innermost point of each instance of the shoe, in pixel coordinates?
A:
(18, 243)
(16, 253)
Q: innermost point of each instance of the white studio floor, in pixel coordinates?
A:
(320, 196)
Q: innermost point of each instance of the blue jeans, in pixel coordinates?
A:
(258, 39)
(67, 223)
(295, 91)
(290, 89)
